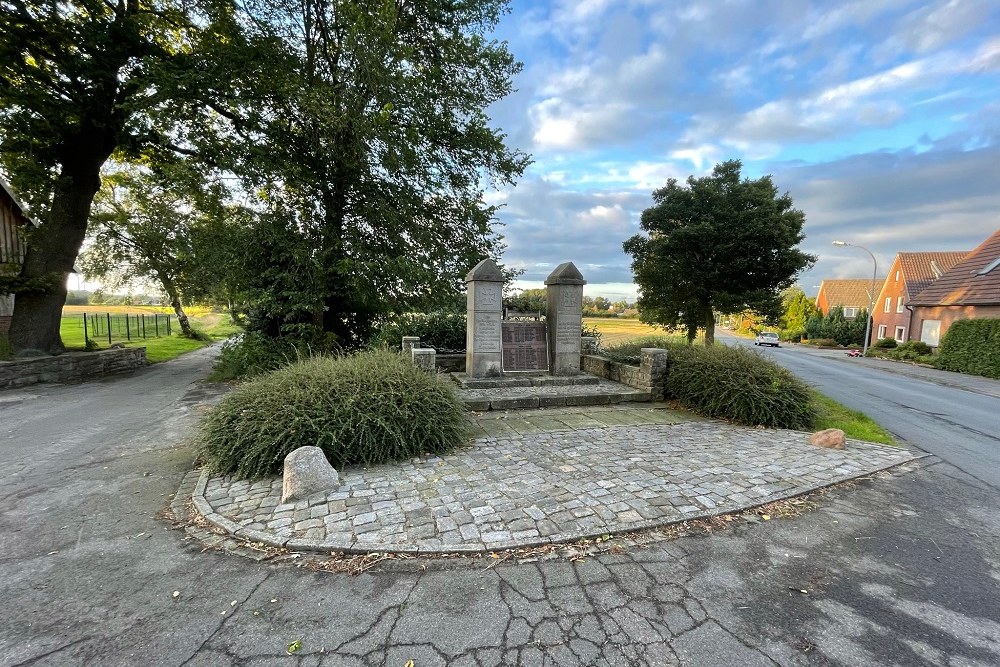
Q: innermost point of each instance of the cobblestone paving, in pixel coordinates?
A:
(522, 489)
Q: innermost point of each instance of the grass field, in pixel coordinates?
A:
(616, 330)
(215, 326)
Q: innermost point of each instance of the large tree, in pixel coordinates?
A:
(80, 80)
(717, 244)
(372, 158)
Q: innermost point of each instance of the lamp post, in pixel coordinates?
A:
(871, 300)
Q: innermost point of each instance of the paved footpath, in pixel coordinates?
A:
(556, 476)
(902, 569)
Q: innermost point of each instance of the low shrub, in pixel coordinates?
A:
(739, 385)
(253, 353)
(593, 332)
(821, 342)
(885, 343)
(792, 335)
(440, 330)
(972, 346)
(913, 350)
(630, 351)
(368, 408)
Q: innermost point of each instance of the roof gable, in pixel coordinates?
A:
(849, 293)
(970, 282)
(920, 269)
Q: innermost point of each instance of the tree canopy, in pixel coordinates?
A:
(352, 138)
(717, 244)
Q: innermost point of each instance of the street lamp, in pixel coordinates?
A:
(871, 302)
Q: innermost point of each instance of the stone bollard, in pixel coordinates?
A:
(588, 345)
(410, 342)
(653, 371)
(424, 358)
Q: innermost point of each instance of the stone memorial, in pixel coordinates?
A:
(564, 303)
(484, 308)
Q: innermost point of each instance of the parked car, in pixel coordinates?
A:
(767, 338)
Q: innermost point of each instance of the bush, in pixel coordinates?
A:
(254, 353)
(972, 346)
(6, 349)
(440, 330)
(630, 352)
(821, 342)
(885, 343)
(593, 332)
(368, 408)
(792, 335)
(739, 385)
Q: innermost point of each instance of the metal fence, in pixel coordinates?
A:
(125, 326)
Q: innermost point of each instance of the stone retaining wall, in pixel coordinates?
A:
(650, 375)
(70, 367)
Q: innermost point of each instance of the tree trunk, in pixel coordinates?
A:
(175, 303)
(709, 327)
(53, 248)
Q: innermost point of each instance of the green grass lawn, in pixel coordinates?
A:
(854, 424)
(215, 326)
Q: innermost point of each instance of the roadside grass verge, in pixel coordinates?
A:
(854, 424)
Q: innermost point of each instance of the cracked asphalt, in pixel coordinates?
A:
(899, 570)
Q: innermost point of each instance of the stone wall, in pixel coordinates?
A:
(650, 375)
(70, 367)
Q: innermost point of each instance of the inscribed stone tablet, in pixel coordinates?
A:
(486, 334)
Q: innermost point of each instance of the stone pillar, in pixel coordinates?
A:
(410, 342)
(424, 358)
(653, 371)
(564, 300)
(484, 308)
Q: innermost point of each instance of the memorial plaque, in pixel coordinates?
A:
(524, 346)
(484, 335)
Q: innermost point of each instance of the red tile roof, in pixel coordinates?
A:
(970, 282)
(918, 268)
(849, 293)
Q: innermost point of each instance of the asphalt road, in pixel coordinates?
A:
(960, 425)
(899, 570)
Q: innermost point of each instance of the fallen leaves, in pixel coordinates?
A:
(294, 647)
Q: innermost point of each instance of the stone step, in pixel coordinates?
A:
(524, 380)
(602, 392)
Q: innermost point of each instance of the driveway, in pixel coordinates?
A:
(899, 570)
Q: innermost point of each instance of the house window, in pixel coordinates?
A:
(930, 332)
(897, 276)
(850, 313)
(900, 334)
(899, 304)
(881, 331)
(888, 303)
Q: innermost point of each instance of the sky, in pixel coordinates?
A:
(881, 118)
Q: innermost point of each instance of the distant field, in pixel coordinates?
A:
(216, 326)
(618, 330)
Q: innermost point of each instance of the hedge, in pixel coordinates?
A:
(972, 346)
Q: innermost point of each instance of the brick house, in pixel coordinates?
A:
(910, 273)
(13, 220)
(850, 294)
(971, 289)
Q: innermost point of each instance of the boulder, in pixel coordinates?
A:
(831, 438)
(307, 472)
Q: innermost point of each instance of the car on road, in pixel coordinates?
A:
(767, 338)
